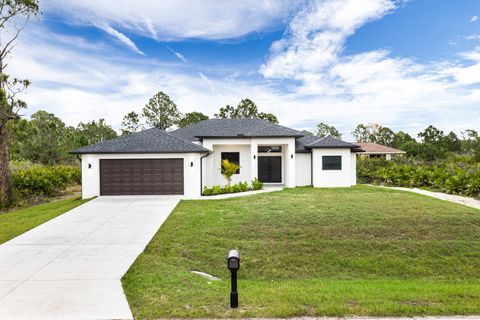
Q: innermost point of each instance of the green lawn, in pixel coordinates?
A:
(16, 222)
(305, 251)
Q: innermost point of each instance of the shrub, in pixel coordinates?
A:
(457, 175)
(44, 181)
(257, 184)
(239, 187)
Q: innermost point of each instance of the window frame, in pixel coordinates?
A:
(222, 157)
(270, 149)
(332, 166)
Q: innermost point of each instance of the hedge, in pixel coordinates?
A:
(459, 175)
(239, 187)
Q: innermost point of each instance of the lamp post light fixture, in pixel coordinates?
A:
(233, 263)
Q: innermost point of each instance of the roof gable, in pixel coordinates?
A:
(147, 141)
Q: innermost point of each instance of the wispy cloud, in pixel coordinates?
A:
(120, 37)
(474, 18)
(168, 20)
(178, 54)
(208, 81)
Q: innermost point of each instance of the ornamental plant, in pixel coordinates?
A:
(228, 169)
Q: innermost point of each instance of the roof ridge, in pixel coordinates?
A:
(318, 140)
(183, 140)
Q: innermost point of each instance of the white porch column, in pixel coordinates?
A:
(290, 164)
(254, 159)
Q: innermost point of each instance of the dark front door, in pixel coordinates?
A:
(270, 169)
(141, 176)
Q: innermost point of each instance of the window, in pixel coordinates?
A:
(266, 149)
(233, 157)
(332, 163)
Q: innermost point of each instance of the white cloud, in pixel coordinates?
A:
(177, 19)
(474, 36)
(178, 54)
(120, 36)
(79, 80)
(316, 35)
(474, 18)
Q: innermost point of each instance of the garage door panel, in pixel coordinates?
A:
(141, 176)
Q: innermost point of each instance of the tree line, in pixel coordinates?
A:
(46, 139)
(161, 112)
(431, 143)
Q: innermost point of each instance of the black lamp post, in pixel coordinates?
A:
(233, 263)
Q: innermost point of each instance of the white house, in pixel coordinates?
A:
(155, 162)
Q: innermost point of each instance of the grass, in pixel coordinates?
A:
(334, 252)
(16, 222)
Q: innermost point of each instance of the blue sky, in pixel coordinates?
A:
(403, 64)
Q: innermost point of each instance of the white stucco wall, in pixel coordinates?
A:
(303, 174)
(213, 175)
(334, 178)
(91, 176)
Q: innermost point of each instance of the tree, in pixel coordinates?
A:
(405, 142)
(228, 169)
(470, 141)
(452, 142)
(43, 139)
(226, 112)
(131, 123)
(383, 136)
(361, 133)
(191, 118)
(434, 143)
(14, 16)
(268, 116)
(324, 130)
(161, 112)
(375, 133)
(94, 132)
(245, 109)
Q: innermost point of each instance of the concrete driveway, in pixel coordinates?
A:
(71, 266)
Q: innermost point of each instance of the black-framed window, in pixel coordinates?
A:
(331, 162)
(266, 149)
(233, 157)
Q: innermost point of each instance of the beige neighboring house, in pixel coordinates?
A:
(373, 150)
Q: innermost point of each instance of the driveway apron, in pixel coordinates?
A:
(70, 267)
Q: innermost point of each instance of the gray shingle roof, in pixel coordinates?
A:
(330, 142)
(147, 141)
(230, 128)
(302, 142)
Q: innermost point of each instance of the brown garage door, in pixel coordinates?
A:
(141, 176)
